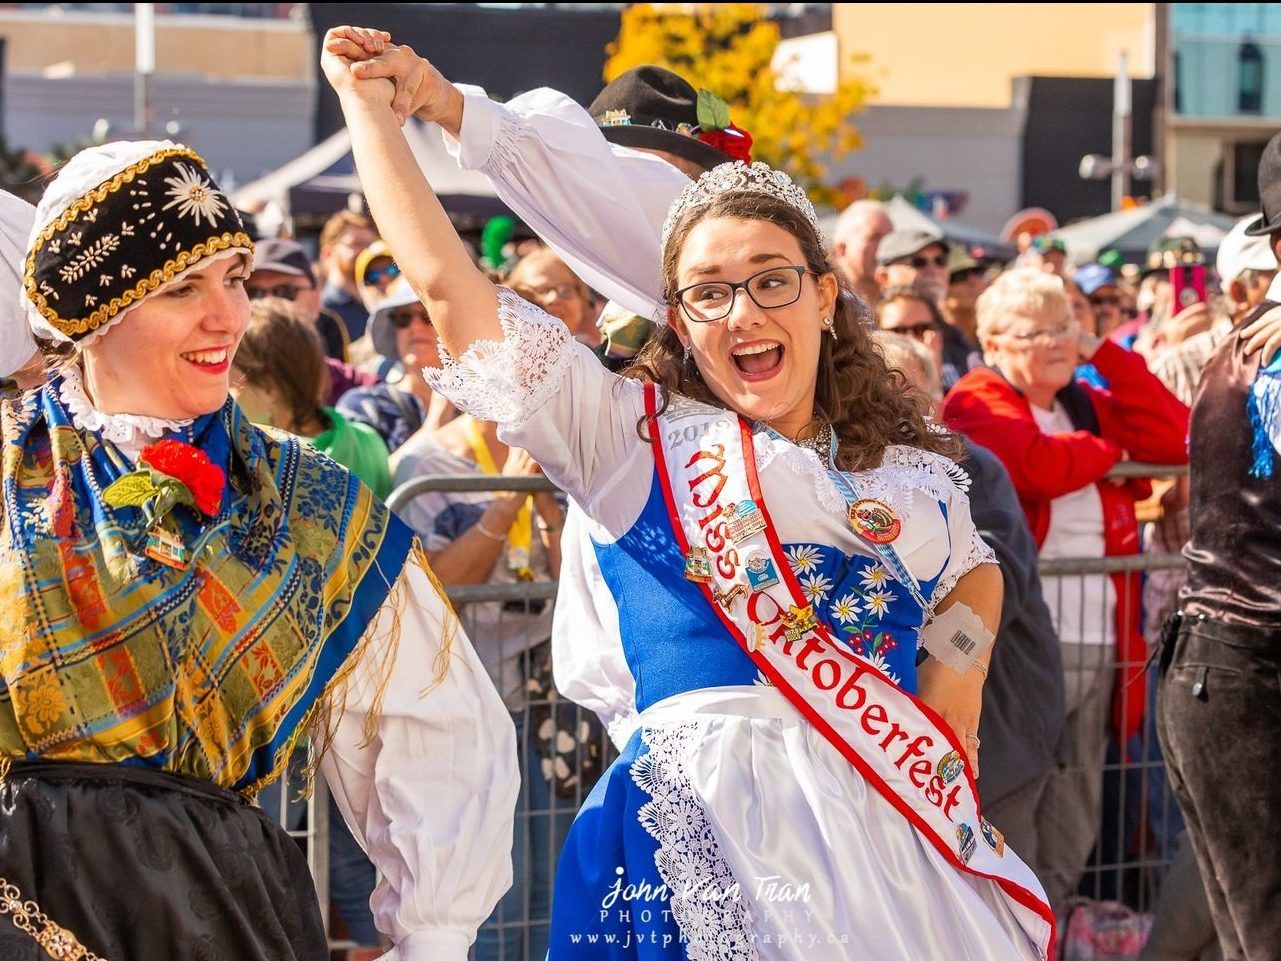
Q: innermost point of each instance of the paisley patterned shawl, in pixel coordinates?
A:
(109, 657)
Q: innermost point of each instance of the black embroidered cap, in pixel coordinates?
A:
(126, 238)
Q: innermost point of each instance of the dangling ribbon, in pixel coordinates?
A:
(520, 537)
(1265, 418)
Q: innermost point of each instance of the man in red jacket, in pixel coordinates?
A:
(1058, 439)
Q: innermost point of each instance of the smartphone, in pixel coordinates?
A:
(1189, 285)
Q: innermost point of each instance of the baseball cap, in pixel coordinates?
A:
(283, 257)
(1091, 277)
(904, 243)
(1239, 252)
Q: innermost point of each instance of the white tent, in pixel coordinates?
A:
(1132, 232)
(319, 182)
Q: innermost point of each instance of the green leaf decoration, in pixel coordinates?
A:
(713, 112)
(132, 490)
(174, 491)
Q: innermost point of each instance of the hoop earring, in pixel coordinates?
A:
(830, 326)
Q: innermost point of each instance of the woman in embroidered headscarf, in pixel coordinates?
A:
(185, 597)
(776, 523)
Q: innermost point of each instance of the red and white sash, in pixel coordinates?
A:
(706, 465)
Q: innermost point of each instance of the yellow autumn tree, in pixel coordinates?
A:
(728, 48)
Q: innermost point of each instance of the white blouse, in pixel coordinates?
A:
(600, 206)
(431, 796)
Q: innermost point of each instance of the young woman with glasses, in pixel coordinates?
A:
(760, 486)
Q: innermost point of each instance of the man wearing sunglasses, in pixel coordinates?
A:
(913, 258)
(920, 259)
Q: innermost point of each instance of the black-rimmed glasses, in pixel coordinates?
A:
(769, 289)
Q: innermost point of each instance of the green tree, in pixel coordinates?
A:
(728, 48)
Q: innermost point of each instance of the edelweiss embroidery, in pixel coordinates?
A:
(193, 195)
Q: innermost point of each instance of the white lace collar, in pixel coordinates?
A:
(124, 429)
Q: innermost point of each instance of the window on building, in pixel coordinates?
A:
(1249, 78)
(1244, 195)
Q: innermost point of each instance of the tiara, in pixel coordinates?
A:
(757, 178)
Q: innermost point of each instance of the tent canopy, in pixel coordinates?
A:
(319, 182)
(1132, 232)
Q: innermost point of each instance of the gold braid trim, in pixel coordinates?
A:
(321, 718)
(56, 941)
(148, 284)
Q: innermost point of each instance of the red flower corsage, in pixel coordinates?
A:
(733, 142)
(169, 473)
(190, 467)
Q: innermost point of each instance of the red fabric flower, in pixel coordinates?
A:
(190, 467)
(733, 142)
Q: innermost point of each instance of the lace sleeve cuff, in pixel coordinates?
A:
(977, 552)
(508, 381)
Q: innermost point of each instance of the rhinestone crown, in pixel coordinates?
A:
(728, 177)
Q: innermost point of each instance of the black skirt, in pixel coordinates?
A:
(141, 865)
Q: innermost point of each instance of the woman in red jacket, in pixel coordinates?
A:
(1058, 438)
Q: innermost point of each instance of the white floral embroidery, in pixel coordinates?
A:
(126, 230)
(126, 271)
(508, 381)
(621, 728)
(48, 291)
(875, 577)
(804, 558)
(977, 553)
(193, 195)
(878, 602)
(689, 857)
(117, 428)
(92, 256)
(90, 216)
(105, 280)
(90, 300)
(878, 661)
(816, 587)
(74, 239)
(55, 246)
(846, 609)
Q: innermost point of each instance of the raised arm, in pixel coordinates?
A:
(600, 206)
(461, 300)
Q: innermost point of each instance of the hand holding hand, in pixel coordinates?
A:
(421, 90)
(344, 46)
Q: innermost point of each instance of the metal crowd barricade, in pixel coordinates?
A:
(1139, 821)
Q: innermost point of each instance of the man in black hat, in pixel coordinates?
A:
(1219, 714)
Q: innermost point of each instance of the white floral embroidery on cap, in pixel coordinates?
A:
(193, 195)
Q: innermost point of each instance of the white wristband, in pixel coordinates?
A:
(958, 638)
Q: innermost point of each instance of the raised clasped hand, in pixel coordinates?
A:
(420, 89)
(345, 47)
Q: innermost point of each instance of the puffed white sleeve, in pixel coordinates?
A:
(551, 396)
(601, 207)
(421, 761)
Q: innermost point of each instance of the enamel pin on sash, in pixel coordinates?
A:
(745, 520)
(875, 521)
(698, 566)
(762, 574)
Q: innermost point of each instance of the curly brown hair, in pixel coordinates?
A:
(870, 405)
